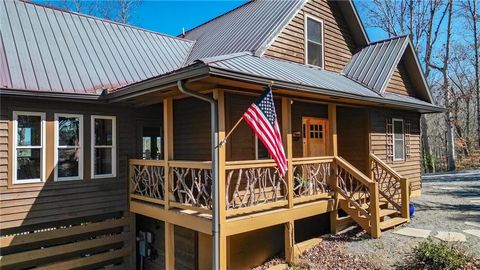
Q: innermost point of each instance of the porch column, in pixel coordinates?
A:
(219, 95)
(168, 155)
(289, 227)
(333, 151)
(332, 123)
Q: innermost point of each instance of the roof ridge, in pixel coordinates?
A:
(217, 17)
(386, 40)
(101, 19)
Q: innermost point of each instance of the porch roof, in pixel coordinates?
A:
(261, 70)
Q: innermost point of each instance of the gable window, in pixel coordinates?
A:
(103, 146)
(398, 140)
(69, 147)
(314, 41)
(28, 142)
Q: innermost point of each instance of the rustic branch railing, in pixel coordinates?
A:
(392, 186)
(254, 185)
(147, 179)
(311, 178)
(359, 191)
(191, 185)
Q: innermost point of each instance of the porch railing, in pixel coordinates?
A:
(312, 178)
(392, 186)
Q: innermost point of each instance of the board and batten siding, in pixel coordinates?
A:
(339, 45)
(99, 204)
(409, 168)
(400, 82)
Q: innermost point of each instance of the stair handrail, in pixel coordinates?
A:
(374, 209)
(404, 185)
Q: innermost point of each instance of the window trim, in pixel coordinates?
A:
(57, 146)
(394, 140)
(113, 147)
(42, 147)
(308, 16)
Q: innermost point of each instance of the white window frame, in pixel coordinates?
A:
(394, 140)
(41, 147)
(57, 146)
(307, 16)
(113, 146)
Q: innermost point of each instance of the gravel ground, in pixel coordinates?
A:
(445, 205)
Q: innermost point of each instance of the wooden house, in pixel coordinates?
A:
(106, 136)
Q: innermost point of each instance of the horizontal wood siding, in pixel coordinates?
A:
(409, 168)
(339, 45)
(304, 109)
(352, 130)
(191, 130)
(400, 82)
(241, 143)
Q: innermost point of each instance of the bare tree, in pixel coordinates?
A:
(116, 10)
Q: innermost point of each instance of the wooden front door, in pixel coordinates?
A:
(315, 136)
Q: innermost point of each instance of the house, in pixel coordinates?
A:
(106, 136)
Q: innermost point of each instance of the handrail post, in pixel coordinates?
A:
(404, 185)
(374, 210)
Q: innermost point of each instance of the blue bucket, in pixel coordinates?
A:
(412, 210)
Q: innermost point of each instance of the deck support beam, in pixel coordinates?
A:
(333, 151)
(289, 231)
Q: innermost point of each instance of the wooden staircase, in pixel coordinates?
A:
(377, 203)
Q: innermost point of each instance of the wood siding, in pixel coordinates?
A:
(400, 82)
(352, 130)
(28, 207)
(191, 130)
(339, 45)
(409, 168)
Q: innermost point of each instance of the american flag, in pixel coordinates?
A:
(261, 117)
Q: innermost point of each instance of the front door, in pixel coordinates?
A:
(315, 136)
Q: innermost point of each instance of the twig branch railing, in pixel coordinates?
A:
(311, 178)
(392, 186)
(190, 183)
(359, 191)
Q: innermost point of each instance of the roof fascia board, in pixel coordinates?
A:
(359, 34)
(55, 95)
(214, 71)
(194, 72)
(274, 35)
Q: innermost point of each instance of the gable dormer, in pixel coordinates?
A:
(318, 35)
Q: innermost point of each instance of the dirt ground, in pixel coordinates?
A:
(447, 202)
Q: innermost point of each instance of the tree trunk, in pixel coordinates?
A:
(428, 161)
(477, 72)
(446, 87)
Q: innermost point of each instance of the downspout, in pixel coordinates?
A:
(214, 127)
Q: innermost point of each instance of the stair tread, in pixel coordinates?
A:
(387, 212)
(389, 223)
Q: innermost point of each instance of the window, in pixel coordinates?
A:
(151, 143)
(398, 140)
(103, 146)
(29, 142)
(68, 147)
(261, 151)
(314, 41)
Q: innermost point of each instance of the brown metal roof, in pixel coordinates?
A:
(46, 49)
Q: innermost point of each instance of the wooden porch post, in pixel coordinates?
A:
(168, 155)
(333, 151)
(219, 95)
(289, 227)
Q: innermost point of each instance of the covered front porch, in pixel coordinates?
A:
(172, 178)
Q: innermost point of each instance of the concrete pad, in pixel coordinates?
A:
(412, 232)
(473, 232)
(282, 266)
(472, 223)
(451, 236)
(475, 201)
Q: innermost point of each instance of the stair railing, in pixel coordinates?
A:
(392, 186)
(359, 191)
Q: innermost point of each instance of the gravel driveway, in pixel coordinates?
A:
(447, 202)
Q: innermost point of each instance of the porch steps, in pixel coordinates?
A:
(392, 222)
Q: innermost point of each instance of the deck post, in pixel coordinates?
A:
(374, 210)
(168, 155)
(219, 95)
(333, 151)
(404, 186)
(289, 234)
